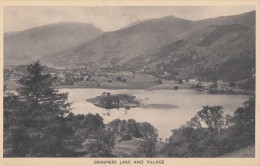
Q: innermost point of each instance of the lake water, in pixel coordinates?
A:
(164, 109)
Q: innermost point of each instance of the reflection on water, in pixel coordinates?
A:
(164, 109)
(159, 106)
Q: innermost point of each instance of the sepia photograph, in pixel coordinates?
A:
(129, 82)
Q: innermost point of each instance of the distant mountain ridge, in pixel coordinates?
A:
(142, 38)
(127, 43)
(168, 44)
(38, 42)
(218, 51)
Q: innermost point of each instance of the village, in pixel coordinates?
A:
(109, 77)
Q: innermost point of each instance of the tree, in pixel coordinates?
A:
(114, 126)
(232, 84)
(213, 117)
(35, 114)
(133, 128)
(108, 101)
(118, 78)
(175, 87)
(87, 132)
(180, 81)
(130, 128)
(204, 135)
(146, 149)
(211, 132)
(148, 131)
(244, 123)
(158, 81)
(37, 89)
(101, 144)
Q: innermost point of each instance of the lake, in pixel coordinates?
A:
(164, 109)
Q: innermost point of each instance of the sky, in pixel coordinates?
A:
(108, 18)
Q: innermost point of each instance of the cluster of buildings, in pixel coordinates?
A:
(69, 77)
(208, 84)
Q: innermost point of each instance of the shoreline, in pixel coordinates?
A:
(166, 85)
(114, 101)
(212, 91)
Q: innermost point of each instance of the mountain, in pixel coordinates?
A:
(127, 43)
(9, 33)
(220, 50)
(247, 19)
(211, 49)
(36, 43)
(141, 38)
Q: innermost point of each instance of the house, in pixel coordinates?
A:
(221, 84)
(193, 81)
(207, 85)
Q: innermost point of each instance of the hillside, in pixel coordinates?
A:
(127, 43)
(211, 49)
(247, 152)
(141, 38)
(38, 42)
(218, 51)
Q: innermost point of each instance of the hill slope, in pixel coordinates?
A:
(127, 43)
(218, 51)
(35, 43)
(216, 48)
(141, 38)
(247, 152)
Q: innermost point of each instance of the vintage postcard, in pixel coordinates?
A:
(130, 83)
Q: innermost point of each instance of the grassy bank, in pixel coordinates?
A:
(135, 83)
(247, 152)
(126, 148)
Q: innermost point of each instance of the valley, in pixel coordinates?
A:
(169, 48)
(158, 87)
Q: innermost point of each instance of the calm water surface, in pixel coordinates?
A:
(164, 109)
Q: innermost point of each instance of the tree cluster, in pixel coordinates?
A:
(212, 133)
(38, 121)
(126, 130)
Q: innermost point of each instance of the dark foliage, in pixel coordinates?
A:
(38, 122)
(243, 131)
(211, 133)
(221, 31)
(228, 71)
(146, 149)
(128, 129)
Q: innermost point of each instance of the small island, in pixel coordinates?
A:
(108, 101)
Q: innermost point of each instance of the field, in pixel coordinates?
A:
(128, 147)
(242, 153)
(120, 80)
